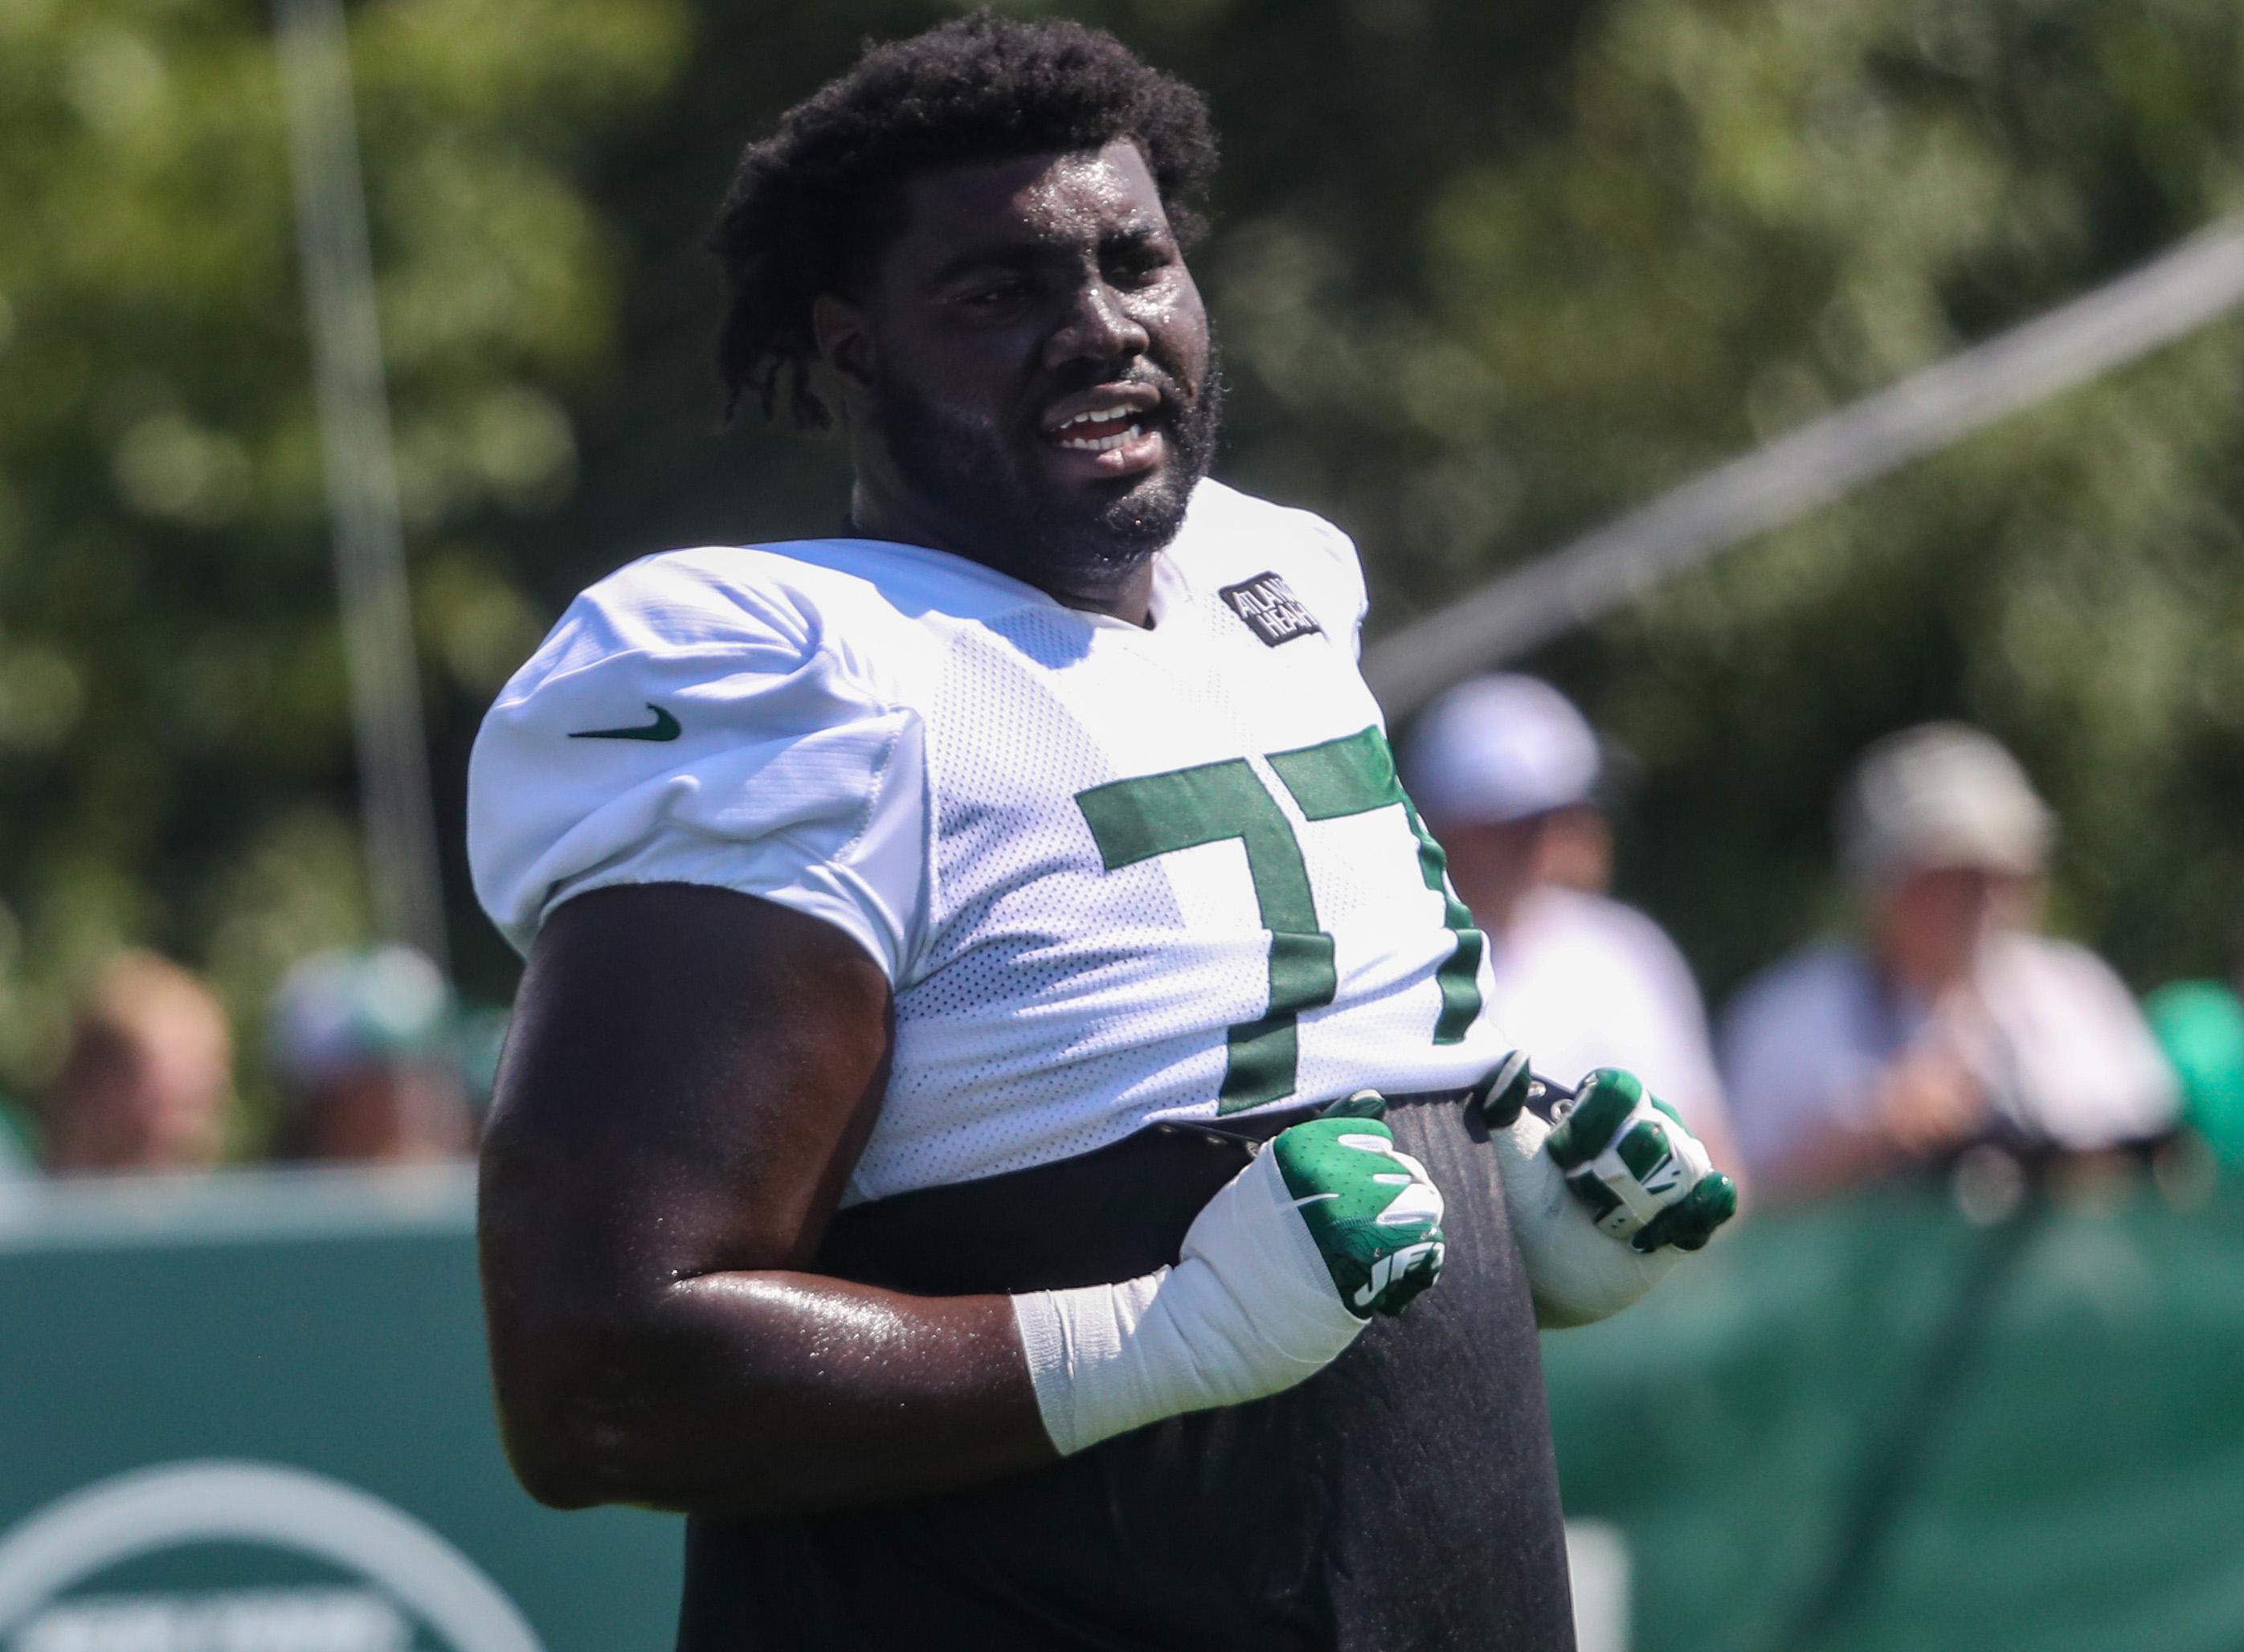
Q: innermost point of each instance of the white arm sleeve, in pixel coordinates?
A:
(761, 759)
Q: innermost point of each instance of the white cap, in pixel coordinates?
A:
(1500, 748)
(1941, 794)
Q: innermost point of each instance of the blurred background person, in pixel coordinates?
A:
(1950, 1021)
(363, 1044)
(147, 1083)
(1507, 771)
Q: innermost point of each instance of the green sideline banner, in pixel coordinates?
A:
(1877, 1427)
(250, 1413)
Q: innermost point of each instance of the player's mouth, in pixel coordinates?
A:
(1113, 430)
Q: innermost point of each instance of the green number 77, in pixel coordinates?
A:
(1136, 819)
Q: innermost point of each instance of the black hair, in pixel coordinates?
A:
(812, 206)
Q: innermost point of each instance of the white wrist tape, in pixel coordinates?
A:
(1578, 1273)
(1250, 1309)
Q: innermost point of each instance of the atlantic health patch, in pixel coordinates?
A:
(1271, 610)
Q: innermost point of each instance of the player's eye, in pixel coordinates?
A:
(1009, 291)
(1136, 269)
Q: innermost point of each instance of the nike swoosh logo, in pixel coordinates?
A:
(664, 727)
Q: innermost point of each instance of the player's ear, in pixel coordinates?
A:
(845, 343)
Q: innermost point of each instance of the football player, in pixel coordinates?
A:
(999, 1050)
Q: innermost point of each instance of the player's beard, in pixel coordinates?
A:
(1008, 513)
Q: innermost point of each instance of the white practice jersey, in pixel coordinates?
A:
(1115, 875)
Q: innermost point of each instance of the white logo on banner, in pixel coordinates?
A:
(402, 1567)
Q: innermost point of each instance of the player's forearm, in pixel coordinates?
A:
(772, 1394)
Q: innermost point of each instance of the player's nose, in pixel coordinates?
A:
(1096, 327)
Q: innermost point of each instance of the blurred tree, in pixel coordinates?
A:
(1756, 210)
(174, 749)
(1485, 275)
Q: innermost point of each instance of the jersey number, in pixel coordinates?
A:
(1136, 819)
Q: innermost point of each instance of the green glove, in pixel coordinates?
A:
(1375, 1214)
(1504, 1091)
(1644, 1175)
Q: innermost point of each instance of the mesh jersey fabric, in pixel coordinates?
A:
(1115, 875)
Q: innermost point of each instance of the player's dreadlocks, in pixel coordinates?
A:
(814, 204)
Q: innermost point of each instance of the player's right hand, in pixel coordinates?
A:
(1374, 1213)
(1327, 1226)
(1280, 1272)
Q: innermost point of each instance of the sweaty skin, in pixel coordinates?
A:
(692, 1072)
(1026, 292)
(691, 1075)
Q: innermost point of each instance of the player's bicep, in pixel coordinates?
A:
(691, 1075)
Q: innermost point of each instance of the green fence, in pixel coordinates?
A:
(1879, 1426)
(250, 1414)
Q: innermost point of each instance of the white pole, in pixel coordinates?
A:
(362, 476)
(2197, 282)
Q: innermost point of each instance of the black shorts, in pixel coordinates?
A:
(1403, 1499)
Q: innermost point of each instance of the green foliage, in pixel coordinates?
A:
(1758, 211)
(1485, 275)
(174, 753)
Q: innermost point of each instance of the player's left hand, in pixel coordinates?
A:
(1604, 1202)
(1632, 1161)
